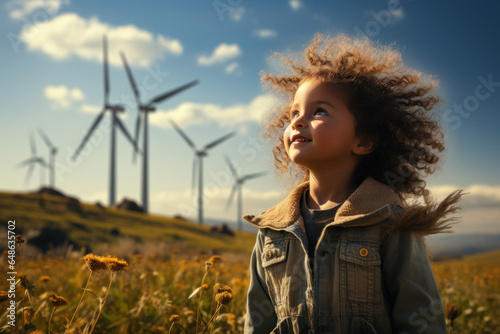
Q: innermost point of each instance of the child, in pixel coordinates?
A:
(343, 253)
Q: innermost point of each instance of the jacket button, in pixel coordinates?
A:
(363, 251)
(269, 254)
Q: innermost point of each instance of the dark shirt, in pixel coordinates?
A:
(314, 222)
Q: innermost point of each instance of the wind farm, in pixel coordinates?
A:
(197, 170)
(33, 162)
(115, 122)
(52, 158)
(138, 142)
(238, 190)
(143, 111)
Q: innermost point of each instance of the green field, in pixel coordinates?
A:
(91, 225)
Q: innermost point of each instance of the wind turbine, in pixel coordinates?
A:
(52, 158)
(32, 162)
(198, 162)
(115, 121)
(144, 109)
(238, 185)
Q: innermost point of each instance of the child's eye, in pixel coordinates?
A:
(320, 111)
(294, 113)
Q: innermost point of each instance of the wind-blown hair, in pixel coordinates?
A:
(392, 105)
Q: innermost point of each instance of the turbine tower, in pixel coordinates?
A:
(143, 110)
(238, 185)
(115, 121)
(52, 157)
(198, 162)
(35, 159)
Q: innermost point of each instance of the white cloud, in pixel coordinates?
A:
(62, 97)
(231, 68)
(90, 108)
(221, 54)
(398, 13)
(191, 113)
(479, 221)
(236, 14)
(21, 8)
(478, 195)
(295, 5)
(70, 35)
(265, 33)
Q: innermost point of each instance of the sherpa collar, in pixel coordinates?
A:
(370, 203)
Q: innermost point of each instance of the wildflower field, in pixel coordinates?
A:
(165, 275)
(147, 293)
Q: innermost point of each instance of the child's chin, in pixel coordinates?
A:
(299, 159)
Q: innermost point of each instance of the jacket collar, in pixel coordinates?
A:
(370, 203)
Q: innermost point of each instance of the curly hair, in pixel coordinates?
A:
(391, 104)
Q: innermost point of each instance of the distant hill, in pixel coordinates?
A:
(59, 217)
(486, 259)
(448, 245)
(54, 217)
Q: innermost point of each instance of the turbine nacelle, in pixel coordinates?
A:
(147, 108)
(115, 108)
(237, 188)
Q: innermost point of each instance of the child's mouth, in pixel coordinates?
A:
(300, 140)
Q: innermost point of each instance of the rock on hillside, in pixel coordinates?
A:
(129, 205)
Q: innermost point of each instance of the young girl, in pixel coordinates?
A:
(344, 253)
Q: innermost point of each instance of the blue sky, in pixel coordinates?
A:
(52, 79)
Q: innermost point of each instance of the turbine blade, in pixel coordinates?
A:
(166, 95)
(28, 174)
(32, 144)
(125, 132)
(183, 135)
(253, 176)
(218, 141)
(231, 167)
(231, 195)
(26, 162)
(45, 138)
(136, 138)
(131, 79)
(89, 133)
(106, 75)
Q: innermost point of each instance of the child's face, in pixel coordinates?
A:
(321, 132)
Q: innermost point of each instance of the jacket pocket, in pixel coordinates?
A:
(274, 252)
(362, 273)
(274, 255)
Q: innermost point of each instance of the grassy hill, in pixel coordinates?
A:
(91, 225)
(486, 259)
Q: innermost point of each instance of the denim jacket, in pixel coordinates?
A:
(368, 276)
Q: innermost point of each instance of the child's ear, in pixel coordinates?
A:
(365, 145)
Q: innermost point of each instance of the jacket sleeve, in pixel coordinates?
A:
(413, 294)
(260, 314)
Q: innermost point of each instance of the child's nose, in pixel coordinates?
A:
(298, 122)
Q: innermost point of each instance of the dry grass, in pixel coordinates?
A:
(473, 285)
(165, 290)
(142, 299)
